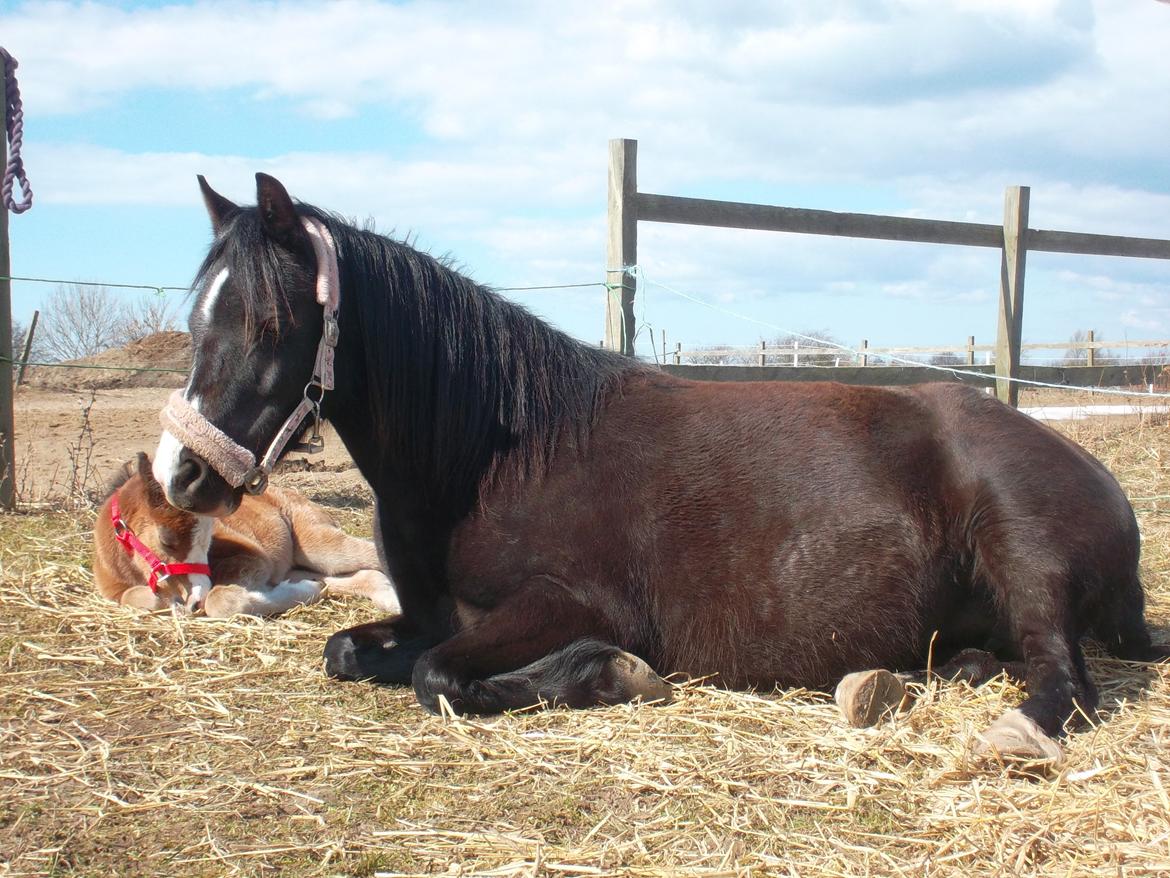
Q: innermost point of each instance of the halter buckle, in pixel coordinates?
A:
(315, 444)
(331, 331)
(255, 480)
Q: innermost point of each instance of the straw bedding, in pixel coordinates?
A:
(144, 745)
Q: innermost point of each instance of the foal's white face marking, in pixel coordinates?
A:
(200, 546)
(166, 456)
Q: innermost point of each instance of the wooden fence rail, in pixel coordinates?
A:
(766, 351)
(628, 206)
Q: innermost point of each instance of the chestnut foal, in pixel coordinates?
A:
(277, 551)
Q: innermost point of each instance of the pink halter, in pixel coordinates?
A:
(231, 460)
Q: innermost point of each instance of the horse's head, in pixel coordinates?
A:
(141, 541)
(255, 328)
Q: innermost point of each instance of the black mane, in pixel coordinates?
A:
(470, 378)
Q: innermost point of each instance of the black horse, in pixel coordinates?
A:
(563, 524)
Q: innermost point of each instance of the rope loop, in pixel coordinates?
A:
(14, 131)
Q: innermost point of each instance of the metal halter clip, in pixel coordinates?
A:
(255, 480)
(315, 444)
(331, 331)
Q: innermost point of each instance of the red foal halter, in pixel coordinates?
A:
(133, 545)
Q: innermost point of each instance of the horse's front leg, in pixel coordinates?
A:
(382, 652)
(537, 646)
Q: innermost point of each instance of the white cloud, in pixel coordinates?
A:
(917, 107)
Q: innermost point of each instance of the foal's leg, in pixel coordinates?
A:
(371, 584)
(538, 645)
(321, 545)
(142, 598)
(267, 600)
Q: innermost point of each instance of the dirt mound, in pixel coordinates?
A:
(169, 352)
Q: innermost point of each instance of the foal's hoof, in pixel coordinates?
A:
(636, 679)
(1015, 738)
(866, 696)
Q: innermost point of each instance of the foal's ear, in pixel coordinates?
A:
(218, 207)
(280, 217)
(154, 491)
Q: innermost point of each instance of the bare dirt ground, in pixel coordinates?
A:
(70, 442)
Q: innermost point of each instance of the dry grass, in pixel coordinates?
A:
(146, 745)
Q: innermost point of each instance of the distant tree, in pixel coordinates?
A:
(80, 320)
(152, 314)
(719, 355)
(947, 358)
(813, 338)
(1076, 356)
(19, 331)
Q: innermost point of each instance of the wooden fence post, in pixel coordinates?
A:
(7, 420)
(677, 353)
(28, 343)
(1091, 359)
(864, 355)
(622, 250)
(970, 350)
(1011, 293)
(763, 354)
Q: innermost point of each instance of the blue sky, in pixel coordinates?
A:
(481, 131)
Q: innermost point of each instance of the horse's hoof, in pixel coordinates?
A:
(866, 696)
(1015, 738)
(636, 679)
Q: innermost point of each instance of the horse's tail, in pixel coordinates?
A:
(1121, 624)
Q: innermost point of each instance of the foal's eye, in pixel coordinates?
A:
(168, 540)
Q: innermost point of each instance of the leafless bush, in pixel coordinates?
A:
(1078, 356)
(80, 320)
(19, 332)
(151, 314)
(82, 474)
(947, 358)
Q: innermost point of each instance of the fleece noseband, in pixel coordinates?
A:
(237, 464)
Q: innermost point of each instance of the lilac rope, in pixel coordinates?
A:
(14, 130)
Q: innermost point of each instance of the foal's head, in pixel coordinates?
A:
(139, 537)
(255, 328)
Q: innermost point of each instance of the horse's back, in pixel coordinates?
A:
(781, 532)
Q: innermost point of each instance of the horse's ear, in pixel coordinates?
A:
(279, 215)
(218, 207)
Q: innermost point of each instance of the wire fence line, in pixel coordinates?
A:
(163, 289)
(694, 354)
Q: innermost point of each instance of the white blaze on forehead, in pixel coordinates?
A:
(166, 460)
(209, 298)
(166, 457)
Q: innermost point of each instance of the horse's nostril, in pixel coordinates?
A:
(190, 470)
